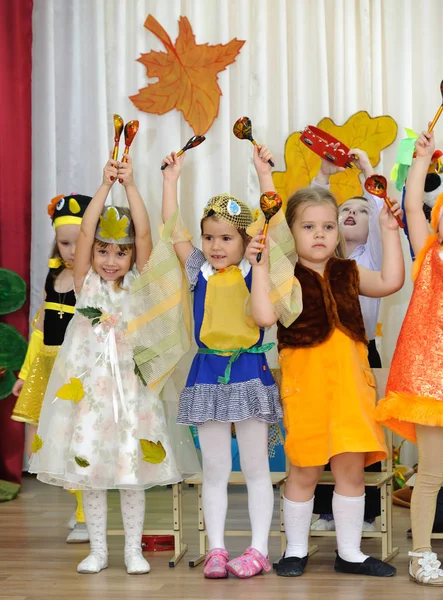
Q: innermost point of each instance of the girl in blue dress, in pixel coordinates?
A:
(230, 381)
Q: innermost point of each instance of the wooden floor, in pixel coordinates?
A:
(35, 561)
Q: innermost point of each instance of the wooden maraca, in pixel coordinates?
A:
(131, 129)
(243, 131)
(377, 186)
(439, 111)
(195, 141)
(270, 203)
(118, 128)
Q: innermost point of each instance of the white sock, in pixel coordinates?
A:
(252, 437)
(348, 515)
(95, 507)
(297, 517)
(132, 504)
(215, 444)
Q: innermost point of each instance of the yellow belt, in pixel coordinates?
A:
(67, 308)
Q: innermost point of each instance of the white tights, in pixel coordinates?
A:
(132, 504)
(215, 443)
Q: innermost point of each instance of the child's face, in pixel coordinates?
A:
(66, 237)
(354, 220)
(222, 244)
(111, 262)
(315, 232)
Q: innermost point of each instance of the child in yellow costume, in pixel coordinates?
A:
(49, 328)
(230, 381)
(413, 406)
(328, 390)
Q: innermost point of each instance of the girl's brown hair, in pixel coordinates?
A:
(244, 236)
(314, 196)
(123, 211)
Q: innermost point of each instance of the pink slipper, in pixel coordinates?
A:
(250, 563)
(215, 564)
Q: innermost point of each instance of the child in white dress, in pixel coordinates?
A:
(100, 427)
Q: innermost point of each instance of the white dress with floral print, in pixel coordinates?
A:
(94, 442)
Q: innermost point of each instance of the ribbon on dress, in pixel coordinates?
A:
(111, 354)
(234, 356)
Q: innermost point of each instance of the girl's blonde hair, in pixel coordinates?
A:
(315, 196)
(123, 211)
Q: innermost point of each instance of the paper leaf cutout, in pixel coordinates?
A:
(153, 452)
(72, 391)
(93, 313)
(113, 227)
(37, 443)
(360, 131)
(187, 75)
(379, 330)
(82, 462)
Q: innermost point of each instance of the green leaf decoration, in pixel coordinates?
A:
(13, 347)
(12, 291)
(153, 452)
(82, 462)
(139, 374)
(91, 312)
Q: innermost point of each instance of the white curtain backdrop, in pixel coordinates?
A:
(303, 60)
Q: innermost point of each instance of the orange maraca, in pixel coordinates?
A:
(270, 203)
(377, 186)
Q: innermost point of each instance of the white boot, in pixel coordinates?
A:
(133, 514)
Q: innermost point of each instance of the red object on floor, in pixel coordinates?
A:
(15, 192)
(158, 543)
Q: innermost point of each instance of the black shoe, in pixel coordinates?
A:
(409, 534)
(293, 566)
(370, 566)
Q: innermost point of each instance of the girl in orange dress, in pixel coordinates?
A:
(413, 406)
(328, 390)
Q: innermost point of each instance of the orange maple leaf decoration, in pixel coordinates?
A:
(360, 131)
(187, 75)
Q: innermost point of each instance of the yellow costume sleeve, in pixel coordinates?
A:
(34, 347)
(159, 330)
(285, 291)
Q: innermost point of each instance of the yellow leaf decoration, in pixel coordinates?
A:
(360, 131)
(112, 227)
(379, 330)
(37, 443)
(72, 391)
(153, 452)
(82, 462)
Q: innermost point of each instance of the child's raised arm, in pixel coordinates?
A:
(377, 284)
(415, 186)
(139, 215)
(262, 309)
(261, 157)
(170, 201)
(85, 241)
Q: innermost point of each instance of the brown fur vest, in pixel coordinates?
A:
(328, 302)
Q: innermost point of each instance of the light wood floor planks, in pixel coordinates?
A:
(36, 563)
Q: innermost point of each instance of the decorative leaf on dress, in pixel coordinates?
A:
(187, 75)
(139, 374)
(93, 313)
(37, 443)
(72, 391)
(360, 131)
(153, 452)
(82, 462)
